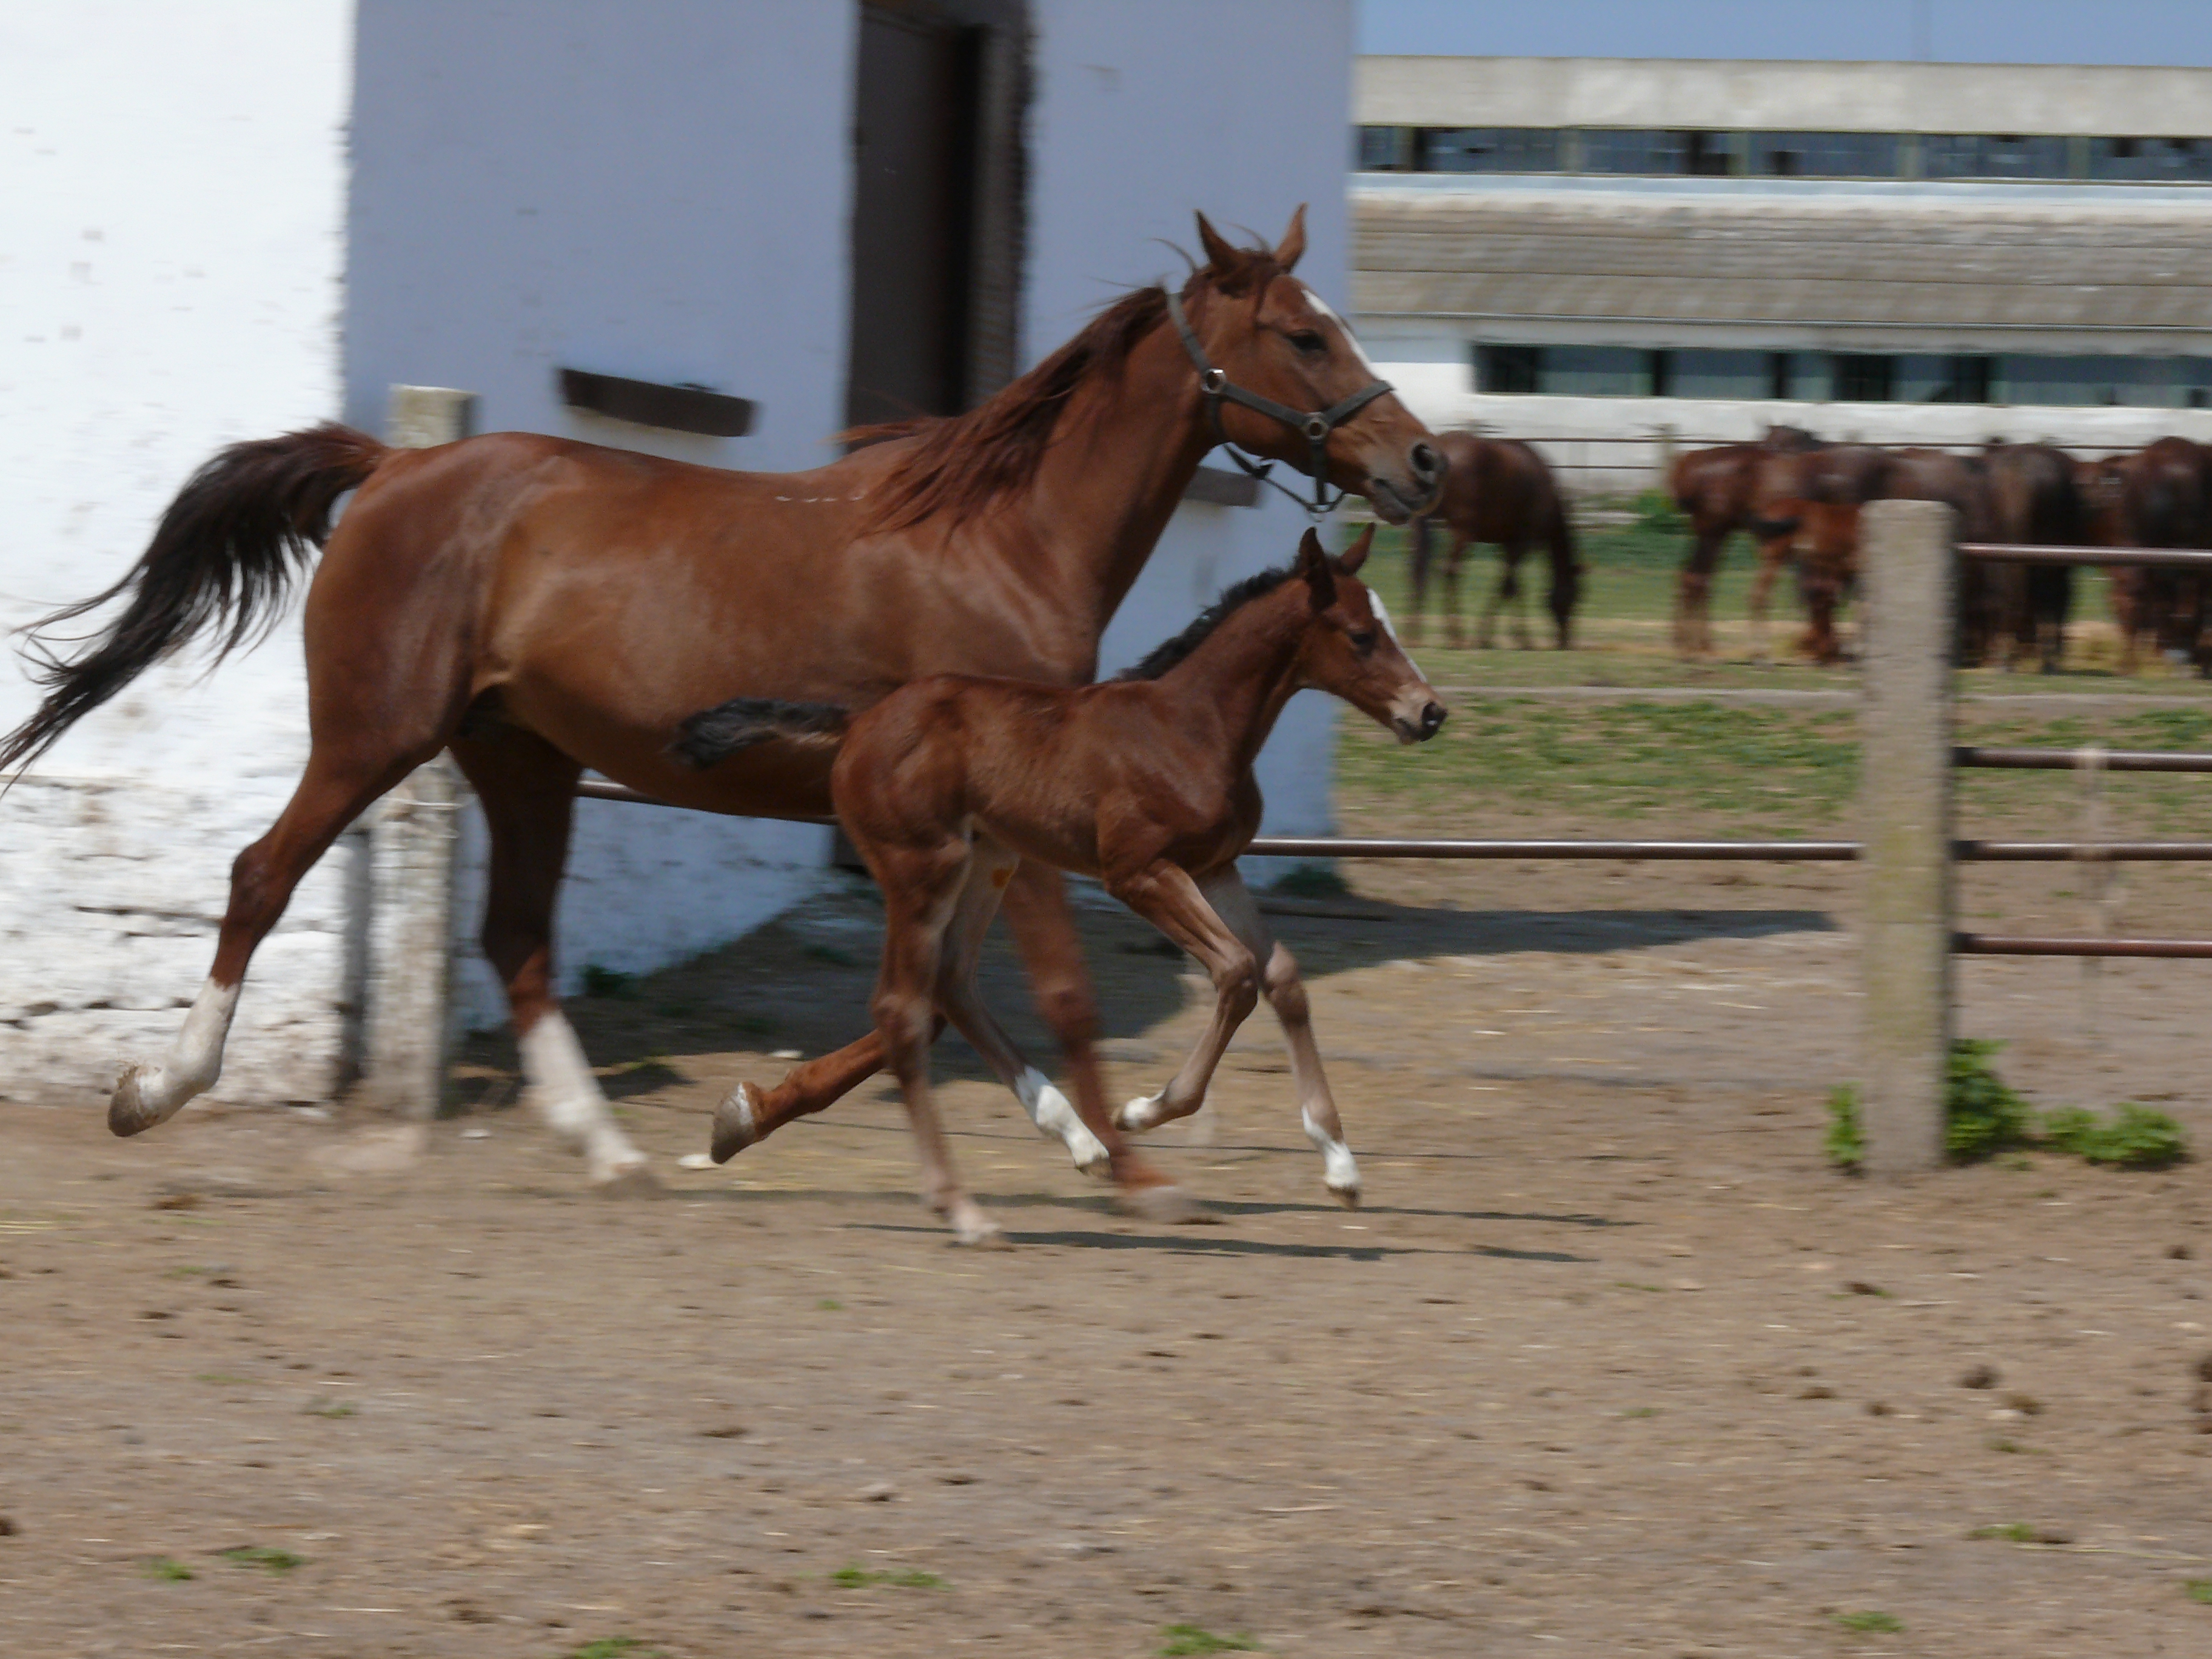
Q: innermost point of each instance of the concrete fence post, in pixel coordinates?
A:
(1909, 570)
(413, 838)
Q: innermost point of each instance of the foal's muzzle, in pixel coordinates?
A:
(1423, 727)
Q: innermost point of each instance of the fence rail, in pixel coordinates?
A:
(2186, 558)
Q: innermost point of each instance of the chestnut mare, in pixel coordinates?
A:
(1145, 782)
(539, 606)
(1721, 490)
(1497, 489)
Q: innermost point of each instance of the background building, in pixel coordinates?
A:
(248, 215)
(1597, 251)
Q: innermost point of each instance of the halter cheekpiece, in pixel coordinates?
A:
(1315, 424)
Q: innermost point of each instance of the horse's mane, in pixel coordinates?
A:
(961, 463)
(1166, 655)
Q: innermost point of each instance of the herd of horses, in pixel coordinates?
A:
(1798, 498)
(537, 606)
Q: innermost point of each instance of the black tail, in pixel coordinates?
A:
(220, 559)
(1566, 572)
(720, 732)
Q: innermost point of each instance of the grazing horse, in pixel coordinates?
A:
(540, 606)
(1497, 490)
(1718, 490)
(1145, 782)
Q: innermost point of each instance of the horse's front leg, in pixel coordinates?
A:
(1286, 994)
(1165, 896)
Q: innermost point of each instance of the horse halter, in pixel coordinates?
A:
(1315, 424)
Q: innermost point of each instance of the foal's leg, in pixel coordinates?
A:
(1165, 896)
(346, 771)
(528, 788)
(1772, 556)
(922, 891)
(1233, 902)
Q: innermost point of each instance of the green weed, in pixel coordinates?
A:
(1871, 1621)
(608, 1647)
(2200, 1590)
(860, 1577)
(264, 1556)
(2013, 1532)
(168, 1569)
(336, 1409)
(1982, 1115)
(831, 1304)
(1186, 1639)
(1845, 1141)
(2135, 1137)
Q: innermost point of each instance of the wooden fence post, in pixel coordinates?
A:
(1909, 572)
(413, 837)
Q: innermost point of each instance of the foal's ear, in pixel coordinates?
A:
(1353, 557)
(1293, 247)
(1313, 565)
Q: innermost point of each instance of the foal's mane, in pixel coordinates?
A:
(963, 462)
(1166, 655)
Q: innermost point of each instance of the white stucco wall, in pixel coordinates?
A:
(1238, 118)
(170, 276)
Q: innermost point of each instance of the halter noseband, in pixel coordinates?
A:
(1315, 424)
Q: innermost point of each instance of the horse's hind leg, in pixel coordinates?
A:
(1447, 584)
(1286, 992)
(1165, 896)
(343, 775)
(528, 789)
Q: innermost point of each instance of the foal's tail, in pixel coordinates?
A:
(220, 560)
(719, 732)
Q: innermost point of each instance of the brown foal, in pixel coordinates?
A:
(1145, 782)
(540, 606)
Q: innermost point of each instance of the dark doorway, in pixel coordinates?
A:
(913, 155)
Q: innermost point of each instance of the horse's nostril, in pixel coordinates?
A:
(1432, 718)
(1425, 461)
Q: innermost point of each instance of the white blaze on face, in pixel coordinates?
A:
(1350, 338)
(1382, 616)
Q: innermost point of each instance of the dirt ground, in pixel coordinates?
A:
(1611, 1364)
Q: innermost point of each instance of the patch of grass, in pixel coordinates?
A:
(266, 1557)
(599, 982)
(1185, 1639)
(218, 1376)
(608, 1647)
(1312, 881)
(336, 1409)
(860, 1577)
(831, 1304)
(2200, 1590)
(2136, 1137)
(168, 1569)
(2013, 1532)
(1641, 1411)
(1845, 1141)
(1634, 1284)
(1982, 1115)
(1871, 1621)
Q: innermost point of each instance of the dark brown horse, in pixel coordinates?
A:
(1145, 782)
(540, 606)
(1498, 490)
(1719, 491)
(2158, 496)
(2034, 501)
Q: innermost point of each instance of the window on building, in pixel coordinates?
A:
(1508, 370)
(1597, 371)
(1964, 379)
(1382, 150)
(1824, 155)
(2180, 160)
(1701, 374)
(1993, 156)
(1490, 149)
(1619, 150)
(1865, 379)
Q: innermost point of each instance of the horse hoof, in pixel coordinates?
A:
(736, 1121)
(127, 1111)
(1140, 1115)
(977, 1232)
(1348, 1196)
(1164, 1206)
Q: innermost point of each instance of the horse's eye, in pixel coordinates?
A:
(1364, 641)
(1307, 340)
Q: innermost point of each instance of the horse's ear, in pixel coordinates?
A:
(1225, 263)
(1293, 247)
(1313, 565)
(1349, 560)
